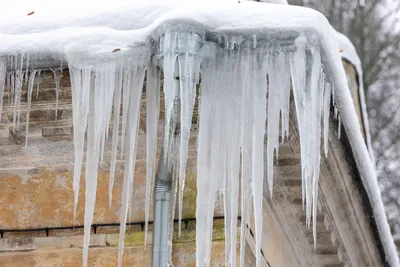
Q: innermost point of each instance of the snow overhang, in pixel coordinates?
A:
(135, 31)
(350, 54)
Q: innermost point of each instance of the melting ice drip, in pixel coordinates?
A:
(244, 100)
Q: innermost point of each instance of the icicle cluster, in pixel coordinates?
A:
(233, 124)
(237, 79)
(243, 117)
(96, 89)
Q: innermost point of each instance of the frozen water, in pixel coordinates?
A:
(57, 79)
(152, 112)
(135, 86)
(239, 130)
(3, 78)
(116, 119)
(80, 83)
(30, 90)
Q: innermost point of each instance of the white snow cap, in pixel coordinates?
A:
(350, 54)
(275, 1)
(110, 49)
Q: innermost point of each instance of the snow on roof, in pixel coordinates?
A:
(95, 34)
(349, 53)
(91, 31)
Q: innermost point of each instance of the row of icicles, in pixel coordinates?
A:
(238, 108)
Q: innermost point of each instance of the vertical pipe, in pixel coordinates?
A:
(162, 202)
(163, 187)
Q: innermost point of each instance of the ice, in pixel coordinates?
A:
(38, 85)
(116, 119)
(57, 79)
(278, 106)
(19, 76)
(233, 106)
(81, 84)
(135, 86)
(152, 115)
(170, 61)
(189, 66)
(30, 90)
(327, 112)
(257, 181)
(205, 195)
(8, 85)
(92, 156)
(26, 70)
(125, 105)
(349, 53)
(3, 78)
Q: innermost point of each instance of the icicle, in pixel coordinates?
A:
(3, 76)
(12, 89)
(246, 133)
(81, 83)
(335, 110)
(107, 104)
(57, 79)
(38, 85)
(189, 66)
(30, 89)
(339, 127)
(100, 81)
(285, 97)
(114, 148)
(170, 58)
(298, 73)
(306, 75)
(26, 70)
(8, 87)
(205, 194)
(259, 106)
(152, 115)
(276, 93)
(327, 111)
(92, 157)
(19, 75)
(125, 94)
(136, 81)
(316, 104)
(254, 41)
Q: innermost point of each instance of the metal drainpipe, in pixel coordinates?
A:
(190, 43)
(163, 187)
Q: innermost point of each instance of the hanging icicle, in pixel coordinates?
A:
(244, 105)
(3, 80)
(57, 79)
(30, 90)
(152, 116)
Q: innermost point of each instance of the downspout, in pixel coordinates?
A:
(163, 187)
(189, 44)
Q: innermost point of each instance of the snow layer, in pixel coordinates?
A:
(108, 54)
(349, 53)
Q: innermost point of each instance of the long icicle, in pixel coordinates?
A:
(116, 119)
(57, 79)
(3, 77)
(188, 68)
(152, 116)
(80, 83)
(136, 82)
(92, 157)
(30, 90)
